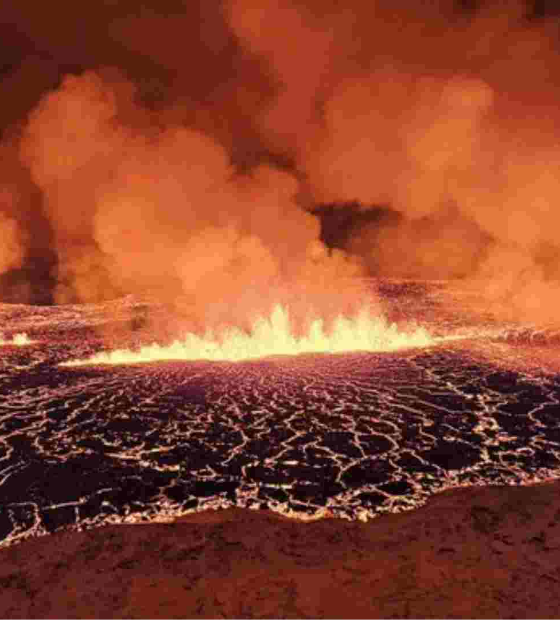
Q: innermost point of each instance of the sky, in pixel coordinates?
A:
(261, 148)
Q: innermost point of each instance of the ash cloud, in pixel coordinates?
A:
(185, 147)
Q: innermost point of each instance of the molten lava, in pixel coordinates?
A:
(17, 340)
(275, 336)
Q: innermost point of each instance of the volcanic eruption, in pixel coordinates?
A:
(17, 340)
(210, 191)
(274, 336)
(287, 255)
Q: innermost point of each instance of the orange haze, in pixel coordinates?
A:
(447, 119)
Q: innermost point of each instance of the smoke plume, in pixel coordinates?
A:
(139, 207)
(449, 119)
(184, 151)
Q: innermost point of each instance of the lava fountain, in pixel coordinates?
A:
(275, 336)
(17, 340)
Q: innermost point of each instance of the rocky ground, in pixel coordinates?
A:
(489, 552)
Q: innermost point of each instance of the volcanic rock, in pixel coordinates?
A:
(488, 552)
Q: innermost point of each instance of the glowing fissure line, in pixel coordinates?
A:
(17, 340)
(273, 336)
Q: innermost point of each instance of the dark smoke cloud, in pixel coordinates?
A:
(183, 147)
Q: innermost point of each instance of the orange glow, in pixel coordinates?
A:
(17, 340)
(274, 336)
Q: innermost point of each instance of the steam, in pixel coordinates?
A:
(445, 121)
(13, 239)
(136, 208)
(450, 121)
(12, 253)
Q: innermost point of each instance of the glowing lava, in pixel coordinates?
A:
(274, 336)
(17, 340)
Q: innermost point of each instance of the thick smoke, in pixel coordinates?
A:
(450, 120)
(13, 238)
(191, 168)
(137, 207)
(12, 253)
